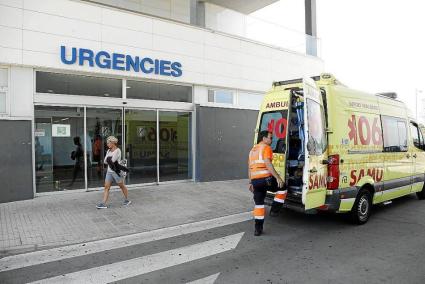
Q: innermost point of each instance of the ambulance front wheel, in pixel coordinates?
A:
(421, 194)
(362, 207)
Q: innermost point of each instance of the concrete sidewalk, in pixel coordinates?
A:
(63, 219)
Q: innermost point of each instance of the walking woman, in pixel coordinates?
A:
(112, 159)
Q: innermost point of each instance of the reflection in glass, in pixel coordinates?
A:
(141, 146)
(101, 123)
(59, 152)
(174, 146)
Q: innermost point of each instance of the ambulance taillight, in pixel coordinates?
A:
(332, 180)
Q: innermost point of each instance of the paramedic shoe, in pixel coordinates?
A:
(258, 232)
(126, 202)
(274, 213)
(101, 206)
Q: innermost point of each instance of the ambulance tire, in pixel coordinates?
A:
(421, 194)
(362, 207)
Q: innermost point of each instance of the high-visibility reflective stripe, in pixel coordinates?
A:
(260, 172)
(259, 217)
(280, 196)
(259, 212)
(261, 151)
(257, 162)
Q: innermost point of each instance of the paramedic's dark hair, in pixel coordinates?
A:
(262, 134)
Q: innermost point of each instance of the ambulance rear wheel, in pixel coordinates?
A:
(362, 207)
(421, 194)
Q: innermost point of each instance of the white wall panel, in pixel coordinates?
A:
(21, 95)
(222, 55)
(126, 37)
(11, 37)
(178, 46)
(12, 3)
(208, 58)
(181, 32)
(10, 55)
(68, 9)
(58, 25)
(129, 21)
(48, 43)
(10, 17)
(222, 41)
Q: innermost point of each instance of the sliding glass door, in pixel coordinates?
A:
(156, 144)
(141, 145)
(175, 161)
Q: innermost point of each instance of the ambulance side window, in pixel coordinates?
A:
(317, 141)
(417, 137)
(395, 134)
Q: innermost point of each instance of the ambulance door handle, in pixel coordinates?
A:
(414, 155)
(313, 170)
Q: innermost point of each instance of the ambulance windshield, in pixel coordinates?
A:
(276, 122)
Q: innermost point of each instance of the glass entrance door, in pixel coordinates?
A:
(59, 152)
(141, 146)
(101, 123)
(175, 161)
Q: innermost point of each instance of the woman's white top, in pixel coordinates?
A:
(116, 156)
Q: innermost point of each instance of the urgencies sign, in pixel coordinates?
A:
(123, 62)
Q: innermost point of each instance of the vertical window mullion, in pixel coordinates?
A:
(85, 149)
(157, 146)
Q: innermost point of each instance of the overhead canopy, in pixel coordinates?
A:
(242, 6)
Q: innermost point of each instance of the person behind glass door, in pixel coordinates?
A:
(112, 156)
(77, 156)
(97, 153)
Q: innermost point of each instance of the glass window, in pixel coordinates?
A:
(159, 92)
(59, 148)
(250, 100)
(277, 123)
(3, 89)
(101, 123)
(417, 137)
(316, 128)
(395, 134)
(175, 161)
(141, 145)
(220, 96)
(69, 84)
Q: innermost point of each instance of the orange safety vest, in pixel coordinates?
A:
(257, 165)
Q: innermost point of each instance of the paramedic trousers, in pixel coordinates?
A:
(261, 186)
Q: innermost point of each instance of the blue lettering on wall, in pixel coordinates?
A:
(118, 61)
(104, 62)
(73, 55)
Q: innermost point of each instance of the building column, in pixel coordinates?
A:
(197, 13)
(310, 27)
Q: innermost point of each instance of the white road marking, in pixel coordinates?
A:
(207, 280)
(145, 264)
(55, 254)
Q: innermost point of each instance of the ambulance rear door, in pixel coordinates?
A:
(315, 145)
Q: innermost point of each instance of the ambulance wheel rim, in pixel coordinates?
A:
(363, 207)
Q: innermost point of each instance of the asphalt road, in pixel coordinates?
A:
(295, 248)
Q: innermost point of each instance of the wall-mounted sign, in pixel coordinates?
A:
(61, 130)
(40, 133)
(119, 61)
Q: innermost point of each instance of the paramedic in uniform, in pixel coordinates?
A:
(263, 177)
